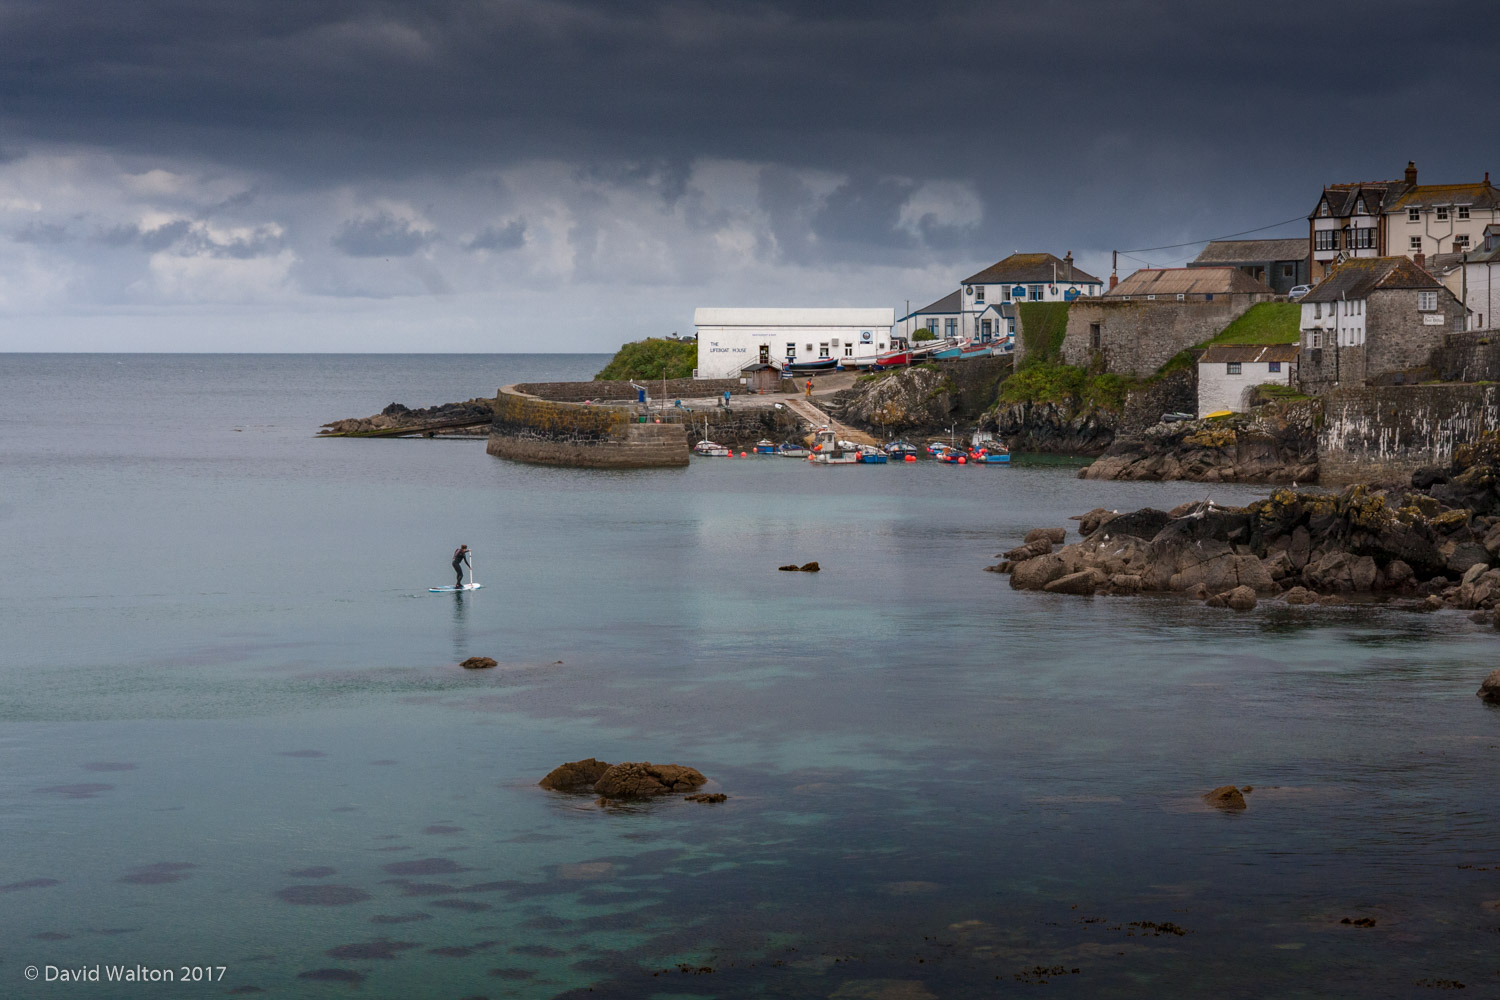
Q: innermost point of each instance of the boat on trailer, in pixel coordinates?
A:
(820, 366)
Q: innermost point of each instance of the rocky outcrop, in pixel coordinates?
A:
(478, 663)
(1313, 547)
(1275, 444)
(397, 420)
(1225, 797)
(1052, 428)
(811, 567)
(923, 399)
(629, 780)
(1490, 689)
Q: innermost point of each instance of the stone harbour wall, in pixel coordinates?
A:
(677, 388)
(1385, 434)
(547, 432)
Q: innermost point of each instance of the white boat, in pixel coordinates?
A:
(791, 449)
(711, 449)
(827, 449)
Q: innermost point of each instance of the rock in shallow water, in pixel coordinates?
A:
(1225, 797)
(478, 663)
(1490, 689)
(576, 775)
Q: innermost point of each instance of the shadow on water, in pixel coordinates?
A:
(460, 619)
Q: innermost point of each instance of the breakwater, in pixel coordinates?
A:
(550, 432)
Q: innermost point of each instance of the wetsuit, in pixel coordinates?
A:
(460, 556)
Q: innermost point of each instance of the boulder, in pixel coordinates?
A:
(1490, 689)
(788, 568)
(1460, 556)
(1037, 572)
(710, 797)
(1083, 582)
(1091, 522)
(1300, 595)
(1125, 583)
(811, 567)
(579, 775)
(1241, 598)
(1054, 535)
(477, 663)
(1144, 523)
(644, 779)
(1225, 797)
(1034, 547)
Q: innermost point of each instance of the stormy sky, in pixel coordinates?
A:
(514, 175)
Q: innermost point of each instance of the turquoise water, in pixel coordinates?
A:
(234, 732)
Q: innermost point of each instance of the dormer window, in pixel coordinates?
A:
(1359, 206)
(1323, 209)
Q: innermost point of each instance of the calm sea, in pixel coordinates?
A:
(235, 735)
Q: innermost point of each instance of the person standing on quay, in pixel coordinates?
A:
(809, 388)
(460, 557)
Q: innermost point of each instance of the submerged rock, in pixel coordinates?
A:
(478, 663)
(1225, 797)
(1490, 689)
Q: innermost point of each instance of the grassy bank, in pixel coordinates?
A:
(655, 357)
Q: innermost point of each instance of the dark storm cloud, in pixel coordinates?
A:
(381, 235)
(150, 240)
(1124, 117)
(42, 233)
(507, 237)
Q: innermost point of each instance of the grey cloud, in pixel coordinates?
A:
(42, 233)
(507, 237)
(150, 240)
(381, 235)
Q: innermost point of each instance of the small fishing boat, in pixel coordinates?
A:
(891, 359)
(791, 449)
(828, 450)
(900, 449)
(986, 456)
(811, 367)
(764, 447)
(936, 448)
(711, 449)
(868, 454)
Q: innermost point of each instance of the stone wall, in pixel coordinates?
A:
(528, 429)
(1468, 357)
(677, 388)
(1385, 434)
(1136, 337)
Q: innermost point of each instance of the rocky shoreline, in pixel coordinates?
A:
(471, 418)
(1433, 544)
(1275, 443)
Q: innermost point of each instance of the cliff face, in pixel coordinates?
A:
(1071, 427)
(924, 399)
(1277, 443)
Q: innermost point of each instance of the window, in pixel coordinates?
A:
(1181, 297)
(952, 328)
(1413, 215)
(1323, 209)
(848, 350)
(1463, 211)
(1460, 242)
(1426, 301)
(978, 293)
(1288, 270)
(1362, 239)
(1317, 339)
(1415, 243)
(1326, 239)
(1441, 213)
(1151, 298)
(1232, 368)
(1096, 336)
(823, 350)
(1359, 206)
(791, 350)
(1036, 293)
(1273, 366)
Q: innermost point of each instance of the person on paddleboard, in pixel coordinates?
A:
(460, 557)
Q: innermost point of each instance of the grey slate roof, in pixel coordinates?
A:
(1248, 352)
(1253, 251)
(947, 304)
(1358, 277)
(1031, 268)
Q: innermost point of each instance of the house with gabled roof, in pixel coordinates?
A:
(1369, 219)
(989, 297)
(940, 317)
(1282, 264)
(1229, 373)
(1374, 321)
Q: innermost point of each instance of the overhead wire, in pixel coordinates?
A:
(1211, 239)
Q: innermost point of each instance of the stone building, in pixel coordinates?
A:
(1373, 321)
(1281, 264)
(1137, 326)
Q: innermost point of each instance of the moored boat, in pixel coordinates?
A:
(790, 449)
(711, 449)
(827, 449)
(900, 449)
(764, 447)
(868, 454)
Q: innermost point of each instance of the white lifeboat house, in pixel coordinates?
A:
(729, 340)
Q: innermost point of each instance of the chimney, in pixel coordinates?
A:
(1068, 259)
(1114, 279)
(1420, 259)
(1411, 172)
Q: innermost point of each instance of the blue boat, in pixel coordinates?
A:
(764, 447)
(790, 449)
(870, 455)
(900, 449)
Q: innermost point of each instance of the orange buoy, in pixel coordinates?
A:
(911, 458)
(962, 460)
(742, 454)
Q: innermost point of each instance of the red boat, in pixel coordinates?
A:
(891, 359)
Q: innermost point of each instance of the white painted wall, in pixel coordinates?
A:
(1335, 322)
(1480, 291)
(1218, 390)
(1437, 235)
(730, 339)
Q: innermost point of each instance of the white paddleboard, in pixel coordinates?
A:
(454, 590)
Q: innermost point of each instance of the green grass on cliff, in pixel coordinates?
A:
(655, 357)
(1043, 325)
(1263, 323)
(1049, 382)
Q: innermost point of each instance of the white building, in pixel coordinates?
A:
(988, 299)
(1474, 279)
(1227, 374)
(730, 339)
(940, 317)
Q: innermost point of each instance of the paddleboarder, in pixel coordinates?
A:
(460, 558)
